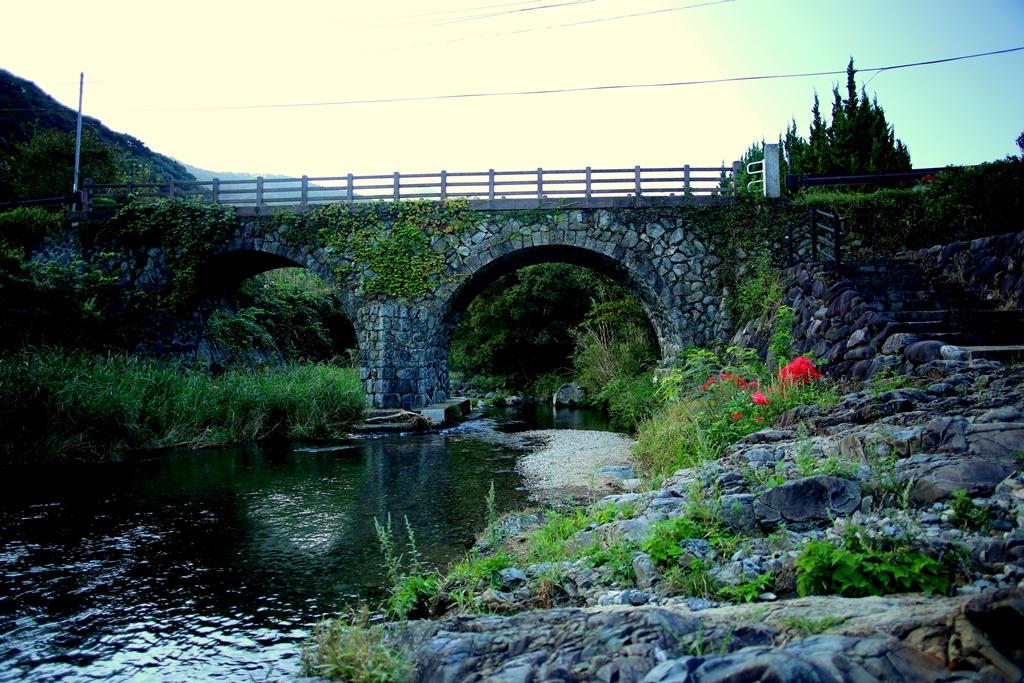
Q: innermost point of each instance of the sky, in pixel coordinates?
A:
(193, 80)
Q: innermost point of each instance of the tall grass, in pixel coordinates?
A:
(59, 405)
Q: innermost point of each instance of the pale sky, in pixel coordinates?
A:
(145, 60)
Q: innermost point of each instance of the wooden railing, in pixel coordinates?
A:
(583, 188)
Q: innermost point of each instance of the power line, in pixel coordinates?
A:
(419, 17)
(553, 91)
(592, 88)
(521, 10)
(598, 20)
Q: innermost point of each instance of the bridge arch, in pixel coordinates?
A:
(489, 272)
(225, 270)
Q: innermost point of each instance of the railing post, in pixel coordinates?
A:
(588, 189)
(814, 234)
(636, 181)
(736, 166)
(87, 195)
(686, 179)
(772, 187)
(540, 185)
(349, 194)
(259, 191)
(215, 190)
(490, 185)
(305, 190)
(398, 186)
(444, 185)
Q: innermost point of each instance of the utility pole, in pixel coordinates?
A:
(78, 137)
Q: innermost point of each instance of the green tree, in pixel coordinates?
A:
(857, 140)
(524, 325)
(44, 166)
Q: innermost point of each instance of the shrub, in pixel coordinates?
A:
(27, 226)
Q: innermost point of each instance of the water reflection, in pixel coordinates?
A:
(212, 564)
(545, 416)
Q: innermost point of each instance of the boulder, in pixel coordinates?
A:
(570, 394)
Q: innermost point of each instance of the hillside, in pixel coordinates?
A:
(24, 108)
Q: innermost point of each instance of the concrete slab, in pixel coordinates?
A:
(448, 413)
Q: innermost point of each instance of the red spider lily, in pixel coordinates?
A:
(800, 369)
(758, 419)
(737, 415)
(759, 399)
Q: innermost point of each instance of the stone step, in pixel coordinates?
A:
(1010, 321)
(941, 331)
(1008, 353)
(934, 305)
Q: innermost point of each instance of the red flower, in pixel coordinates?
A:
(759, 399)
(800, 369)
(737, 415)
(758, 419)
(726, 375)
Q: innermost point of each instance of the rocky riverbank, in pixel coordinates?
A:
(910, 486)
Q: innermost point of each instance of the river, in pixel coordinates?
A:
(214, 564)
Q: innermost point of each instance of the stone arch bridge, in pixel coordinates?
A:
(404, 340)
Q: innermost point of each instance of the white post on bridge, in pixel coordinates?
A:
(772, 181)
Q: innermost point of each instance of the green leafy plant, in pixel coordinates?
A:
(781, 346)
(748, 591)
(966, 514)
(824, 568)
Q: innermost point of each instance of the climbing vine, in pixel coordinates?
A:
(187, 231)
(394, 249)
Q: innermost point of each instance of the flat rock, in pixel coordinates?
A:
(813, 499)
(936, 480)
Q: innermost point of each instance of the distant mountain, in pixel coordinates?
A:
(203, 174)
(24, 107)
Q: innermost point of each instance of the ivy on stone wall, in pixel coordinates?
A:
(394, 249)
(186, 231)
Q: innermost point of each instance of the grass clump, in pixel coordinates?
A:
(353, 649)
(63, 405)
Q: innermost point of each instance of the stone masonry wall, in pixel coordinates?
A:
(992, 266)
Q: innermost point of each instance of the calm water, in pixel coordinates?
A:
(213, 564)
